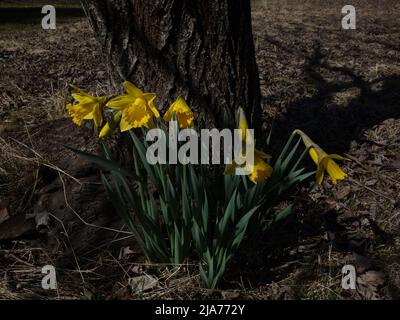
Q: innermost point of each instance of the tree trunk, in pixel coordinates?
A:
(202, 50)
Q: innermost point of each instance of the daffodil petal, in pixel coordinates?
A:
(97, 116)
(89, 116)
(319, 175)
(334, 171)
(150, 97)
(314, 155)
(120, 102)
(168, 115)
(132, 89)
(321, 168)
(337, 157)
(82, 97)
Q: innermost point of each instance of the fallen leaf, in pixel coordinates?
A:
(369, 283)
(230, 294)
(125, 252)
(4, 215)
(42, 221)
(342, 193)
(142, 283)
(372, 278)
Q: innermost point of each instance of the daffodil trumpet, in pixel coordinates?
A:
(258, 171)
(323, 160)
(137, 108)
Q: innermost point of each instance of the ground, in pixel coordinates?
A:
(340, 86)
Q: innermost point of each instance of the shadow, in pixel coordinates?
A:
(34, 15)
(334, 125)
(293, 247)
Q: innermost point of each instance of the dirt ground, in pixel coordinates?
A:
(342, 87)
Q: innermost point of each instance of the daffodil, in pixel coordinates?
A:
(324, 161)
(259, 170)
(137, 108)
(87, 107)
(183, 113)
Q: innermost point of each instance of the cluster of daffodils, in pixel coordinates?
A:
(193, 213)
(136, 109)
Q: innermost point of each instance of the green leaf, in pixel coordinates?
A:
(142, 154)
(241, 227)
(289, 157)
(284, 213)
(228, 214)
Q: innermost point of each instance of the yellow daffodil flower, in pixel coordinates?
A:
(183, 113)
(137, 108)
(260, 170)
(87, 107)
(324, 161)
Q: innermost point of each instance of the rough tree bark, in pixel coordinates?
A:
(200, 49)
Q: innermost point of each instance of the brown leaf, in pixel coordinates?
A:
(4, 215)
(343, 192)
(230, 294)
(369, 283)
(372, 278)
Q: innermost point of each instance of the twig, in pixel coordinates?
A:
(368, 169)
(43, 161)
(81, 219)
(372, 190)
(72, 248)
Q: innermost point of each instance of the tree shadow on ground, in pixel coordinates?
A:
(331, 124)
(295, 252)
(343, 107)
